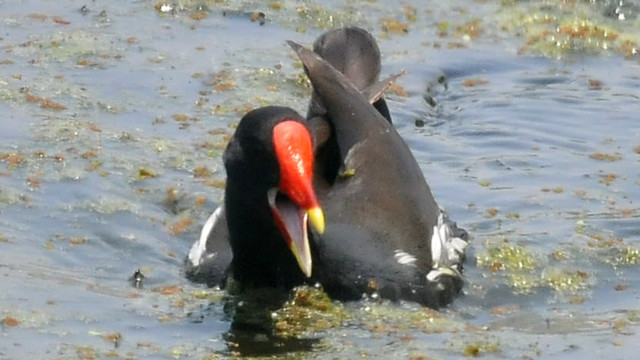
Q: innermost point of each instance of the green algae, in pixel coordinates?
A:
(167, 156)
(558, 29)
(325, 18)
(479, 348)
(251, 87)
(145, 173)
(309, 310)
(207, 294)
(69, 240)
(507, 257)
(566, 281)
(108, 205)
(469, 30)
(86, 352)
(628, 255)
(523, 283)
(301, 80)
(385, 317)
(70, 46)
(527, 273)
(292, 14)
(606, 248)
(10, 196)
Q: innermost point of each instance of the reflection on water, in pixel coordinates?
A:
(252, 331)
(537, 158)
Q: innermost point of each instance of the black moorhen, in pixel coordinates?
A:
(384, 232)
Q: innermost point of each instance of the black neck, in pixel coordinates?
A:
(261, 255)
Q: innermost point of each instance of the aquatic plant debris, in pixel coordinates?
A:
(605, 157)
(568, 28)
(88, 95)
(309, 311)
(10, 321)
(507, 257)
(479, 348)
(145, 173)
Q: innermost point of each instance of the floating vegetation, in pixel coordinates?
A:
(566, 281)
(513, 216)
(627, 256)
(13, 160)
(33, 182)
(410, 12)
(474, 82)
(78, 240)
(387, 317)
(516, 262)
(607, 179)
(569, 27)
(391, 26)
(93, 165)
(59, 155)
(302, 80)
(44, 102)
(310, 310)
(524, 274)
(325, 17)
(491, 212)
(145, 173)
(215, 183)
(10, 321)
(479, 348)
(77, 47)
(198, 15)
(50, 244)
(200, 201)
(181, 225)
(276, 5)
(594, 84)
(86, 352)
(168, 290)
(469, 30)
(108, 205)
(202, 172)
(605, 157)
(90, 154)
(607, 248)
(443, 28)
(503, 310)
(523, 283)
(556, 190)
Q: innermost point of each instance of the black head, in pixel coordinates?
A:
(250, 157)
(270, 197)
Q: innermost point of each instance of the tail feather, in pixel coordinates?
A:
(448, 244)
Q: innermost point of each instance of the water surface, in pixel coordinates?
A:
(114, 117)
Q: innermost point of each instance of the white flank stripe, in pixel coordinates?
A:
(404, 258)
(199, 248)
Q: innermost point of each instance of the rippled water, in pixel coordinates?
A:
(529, 153)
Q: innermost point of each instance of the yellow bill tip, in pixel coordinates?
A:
(316, 219)
(306, 269)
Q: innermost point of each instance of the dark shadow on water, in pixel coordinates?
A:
(253, 327)
(251, 343)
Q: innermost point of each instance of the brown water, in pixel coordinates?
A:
(113, 120)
